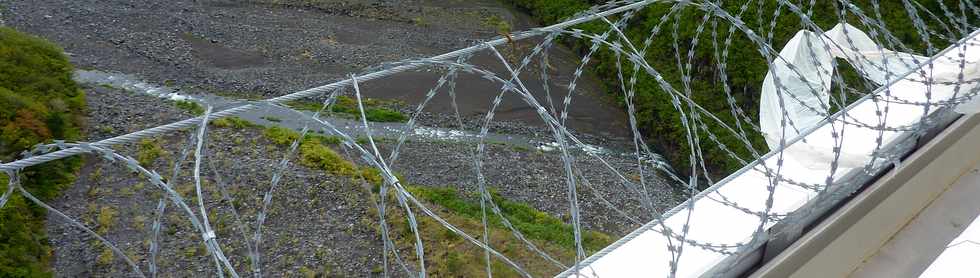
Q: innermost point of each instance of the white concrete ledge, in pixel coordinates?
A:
(647, 252)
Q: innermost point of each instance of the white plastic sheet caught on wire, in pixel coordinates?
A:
(806, 72)
(811, 159)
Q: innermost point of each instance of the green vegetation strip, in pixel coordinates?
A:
(232, 122)
(375, 110)
(533, 223)
(448, 254)
(38, 102)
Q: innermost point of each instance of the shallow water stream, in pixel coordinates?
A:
(270, 115)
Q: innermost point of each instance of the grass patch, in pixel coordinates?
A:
(533, 223)
(329, 140)
(319, 156)
(448, 254)
(191, 107)
(148, 151)
(232, 122)
(306, 272)
(107, 216)
(314, 152)
(106, 129)
(284, 136)
(384, 115)
(375, 110)
(139, 222)
(280, 135)
(500, 25)
(105, 257)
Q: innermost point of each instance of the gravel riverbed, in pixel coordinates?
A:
(317, 220)
(267, 48)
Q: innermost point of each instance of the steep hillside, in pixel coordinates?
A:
(38, 102)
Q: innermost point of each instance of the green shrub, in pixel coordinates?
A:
(39, 101)
(37, 94)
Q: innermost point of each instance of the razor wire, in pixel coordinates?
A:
(705, 128)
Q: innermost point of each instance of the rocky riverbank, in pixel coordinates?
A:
(319, 222)
(263, 48)
(336, 232)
